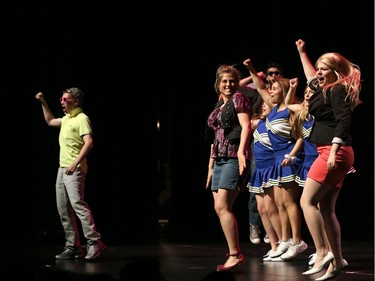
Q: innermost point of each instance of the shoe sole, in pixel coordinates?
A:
(255, 242)
(277, 259)
(70, 258)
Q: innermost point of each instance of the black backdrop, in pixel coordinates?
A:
(142, 66)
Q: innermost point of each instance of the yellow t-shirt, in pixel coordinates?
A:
(74, 126)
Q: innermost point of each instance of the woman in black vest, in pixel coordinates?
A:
(229, 164)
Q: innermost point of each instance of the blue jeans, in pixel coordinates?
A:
(254, 217)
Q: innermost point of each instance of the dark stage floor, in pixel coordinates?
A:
(176, 261)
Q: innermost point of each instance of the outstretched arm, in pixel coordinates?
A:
(249, 79)
(308, 67)
(48, 116)
(258, 82)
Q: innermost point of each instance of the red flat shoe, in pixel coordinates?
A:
(239, 256)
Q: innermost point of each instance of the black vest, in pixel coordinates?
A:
(229, 121)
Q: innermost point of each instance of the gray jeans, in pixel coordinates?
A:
(70, 194)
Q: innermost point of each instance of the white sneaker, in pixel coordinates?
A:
(267, 257)
(282, 248)
(312, 259)
(294, 250)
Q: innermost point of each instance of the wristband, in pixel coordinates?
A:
(292, 158)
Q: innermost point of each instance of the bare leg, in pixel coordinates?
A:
(331, 223)
(223, 200)
(273, 214)
(313, 192)
(267, 224)
(290, 194)
(284, 219)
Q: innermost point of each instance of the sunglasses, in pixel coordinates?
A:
(64, 99)
(270, 73)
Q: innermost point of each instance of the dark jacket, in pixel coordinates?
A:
(332, 115)
(230, 123)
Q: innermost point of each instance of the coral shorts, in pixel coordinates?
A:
(344, 162)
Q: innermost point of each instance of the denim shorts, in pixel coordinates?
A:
(226, 175)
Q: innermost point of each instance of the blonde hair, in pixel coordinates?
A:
(296, 118)
(347, 74)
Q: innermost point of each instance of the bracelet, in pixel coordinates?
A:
(292, 158)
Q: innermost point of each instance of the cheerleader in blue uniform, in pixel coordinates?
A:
(287, 157)
(259, 180)
(301, 125)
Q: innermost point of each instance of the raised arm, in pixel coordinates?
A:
(249, 79)
(308, 67)
(291, 95)
(47, 113)
(258, 82)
